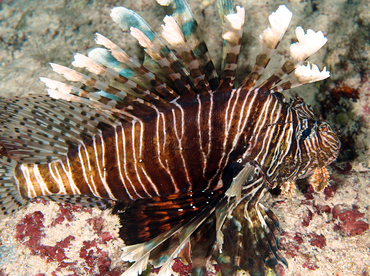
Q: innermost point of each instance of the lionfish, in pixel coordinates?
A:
(179, 154)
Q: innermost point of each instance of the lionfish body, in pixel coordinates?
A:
(182, 155)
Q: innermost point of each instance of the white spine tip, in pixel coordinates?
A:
(236, 20)
(45, 81)
(145, 42)
(233, 25)
(279, 22)
(141, 37)
(117, 13)
(172, 32)
(164, 2)
(68, 73)
(52, 84)
(307, 44)
(85, 62)
(80, 61)
(55, 94)
(58, 68)
(280, 19)
(310, 73)
(102, 40)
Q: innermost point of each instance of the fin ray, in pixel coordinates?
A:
(40, 129)
(10, 199)
(81, 200)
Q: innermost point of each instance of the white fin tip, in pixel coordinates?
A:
(233, 25)
(60, 86)
(310, 73)
(280, 19)
(53, 84)
(164, 2)
(307, 44)
(68, 73)
(117, 14)
(117, 52)
(102, 40)
(141, 38)
(279, 22)
(85, 62)
(55, 94)
(236, 20)
(172, 32)
(145, 42)
(80, 61)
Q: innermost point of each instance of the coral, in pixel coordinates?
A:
(344, 91)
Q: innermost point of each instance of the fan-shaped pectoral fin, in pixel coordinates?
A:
(250, 236)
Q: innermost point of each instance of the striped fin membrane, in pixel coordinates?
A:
(114, 93)
(39, 129)
(194, 47)
(10, 199)
(250, 238)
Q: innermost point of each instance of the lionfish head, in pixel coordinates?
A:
(318, 145)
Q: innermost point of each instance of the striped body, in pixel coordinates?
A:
(187, 148)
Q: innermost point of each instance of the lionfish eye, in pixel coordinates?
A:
(306, 133)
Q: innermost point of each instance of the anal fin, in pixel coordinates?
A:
(144, 220)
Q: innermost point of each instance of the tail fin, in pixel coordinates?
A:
(10, 199)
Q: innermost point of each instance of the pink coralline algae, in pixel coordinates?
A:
(307, 217)
(320, 209)
(290, 244)
(91, 257)
(309, 265)
(317, 240)
(65, 213)
(348, 220)
(29, 232)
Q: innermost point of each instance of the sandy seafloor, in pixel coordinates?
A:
(323, 233)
